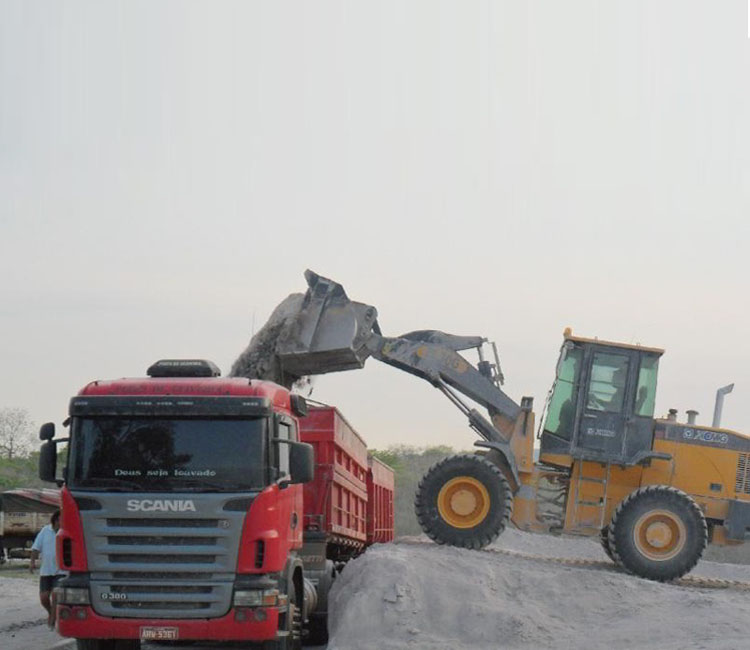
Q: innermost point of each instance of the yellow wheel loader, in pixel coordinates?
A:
(654, 490)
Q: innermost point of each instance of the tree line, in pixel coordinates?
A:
(409, 465)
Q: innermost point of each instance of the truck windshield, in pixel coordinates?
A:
(151, 454)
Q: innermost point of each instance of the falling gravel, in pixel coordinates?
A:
(259, 360)
(421, 595)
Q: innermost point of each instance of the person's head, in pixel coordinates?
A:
(55, 520)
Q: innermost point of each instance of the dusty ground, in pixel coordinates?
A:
(427, 596)
(22, 619)
(416, 594)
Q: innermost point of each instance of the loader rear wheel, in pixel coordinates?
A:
(463, 501)
(604, 541)
(658, 532)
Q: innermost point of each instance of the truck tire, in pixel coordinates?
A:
(292, 624)
(463, 501)
(317, 623)
(317, 630)
(658, 532)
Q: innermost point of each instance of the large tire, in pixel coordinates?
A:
(292, 624)
(463, 501)
(604, 541)
(295, 628)
(658, 532)
(317, 630)
(317, 624)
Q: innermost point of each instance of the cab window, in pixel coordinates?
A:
(562, 406)
(285, 433)
(645, 394)
(609, 377)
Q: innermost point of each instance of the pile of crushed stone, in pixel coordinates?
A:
(421, 595)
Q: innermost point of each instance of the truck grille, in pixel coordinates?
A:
(162, 567)
(160, 540)
(162, 523)
(742, 483)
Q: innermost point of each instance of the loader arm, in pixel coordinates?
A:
(332, 333)
(431, 356)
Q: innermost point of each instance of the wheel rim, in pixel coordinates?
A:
(463, 502)
(659, 535)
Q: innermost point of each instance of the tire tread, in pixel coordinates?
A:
(670, 495)
(421, 507)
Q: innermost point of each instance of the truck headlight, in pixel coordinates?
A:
(72, 595)
(256, 597)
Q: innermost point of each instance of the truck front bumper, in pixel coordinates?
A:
(240, 624)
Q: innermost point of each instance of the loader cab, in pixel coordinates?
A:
(602, 402)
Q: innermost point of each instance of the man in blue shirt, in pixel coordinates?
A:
(49, 572)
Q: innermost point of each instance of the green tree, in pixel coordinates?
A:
(16, 433)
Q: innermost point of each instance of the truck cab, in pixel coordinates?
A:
(182, 509)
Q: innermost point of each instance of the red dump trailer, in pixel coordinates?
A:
(347, 506)
(380, 490)
(202, 508)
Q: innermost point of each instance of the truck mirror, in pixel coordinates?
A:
(299, 405)
(48, 461)
(301, 462)
(47, 431)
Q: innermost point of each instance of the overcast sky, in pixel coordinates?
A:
(169, 169)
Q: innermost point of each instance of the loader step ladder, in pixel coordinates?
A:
(601, 504)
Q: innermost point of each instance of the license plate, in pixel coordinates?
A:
(159, 633)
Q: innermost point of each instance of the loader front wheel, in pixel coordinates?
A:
(604, 541)
(463, 501)
(658, 532)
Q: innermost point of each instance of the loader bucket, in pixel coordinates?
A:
(330, 332)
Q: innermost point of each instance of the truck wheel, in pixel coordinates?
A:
(317, 628)
(295, 626)
(292, 625)
(658, 532)
(463, 501)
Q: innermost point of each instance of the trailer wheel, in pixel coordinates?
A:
(658, 532)
(463, 501)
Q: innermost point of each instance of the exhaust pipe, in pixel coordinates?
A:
(719, 405)
(692, 414)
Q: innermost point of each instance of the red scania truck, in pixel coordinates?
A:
(196, 507)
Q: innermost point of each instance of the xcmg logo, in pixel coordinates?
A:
(161, 505)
